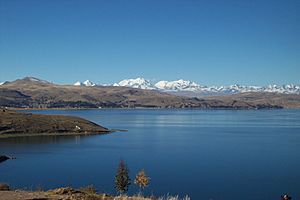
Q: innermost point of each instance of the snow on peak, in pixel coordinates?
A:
(5, 82)
(88, 83)
(178, 85)
(190, 86)
(136, 83)
(85, 83)
(78, 83)
(161, 85)
(286, 89)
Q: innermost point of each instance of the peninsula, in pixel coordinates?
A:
(14, 123)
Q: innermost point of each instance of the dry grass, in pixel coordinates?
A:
(68, 193)
(168, 197)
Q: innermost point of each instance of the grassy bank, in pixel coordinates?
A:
(85, 193)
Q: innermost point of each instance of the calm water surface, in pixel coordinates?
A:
(207, 154)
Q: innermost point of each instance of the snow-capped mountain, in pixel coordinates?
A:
(88, 83)
(233, 89)
(78, 83)
(190, 87)
(136, 83)
(2, 83)
(287, 89)
(85, 83)
(178, 85)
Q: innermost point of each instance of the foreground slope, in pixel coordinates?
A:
(16, 123)
(32, 93)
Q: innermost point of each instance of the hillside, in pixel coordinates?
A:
(34, 93)
(12, 123)
(263, 98)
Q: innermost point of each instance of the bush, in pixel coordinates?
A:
(141, 179)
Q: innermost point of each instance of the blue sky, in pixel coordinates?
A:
(253, 42)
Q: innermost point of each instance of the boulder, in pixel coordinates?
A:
(4, 187)
(3, 158)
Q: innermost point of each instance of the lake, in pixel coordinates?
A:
(206, 154)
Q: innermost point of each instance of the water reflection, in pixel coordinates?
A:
(45, 139)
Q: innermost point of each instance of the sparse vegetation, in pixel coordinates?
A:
(90, 189)
(169, 197)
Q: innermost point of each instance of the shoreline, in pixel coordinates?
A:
(64, 193)
(147, 108)
(88, 192)
(59, 134)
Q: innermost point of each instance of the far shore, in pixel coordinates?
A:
(137, 108)
(146, 108)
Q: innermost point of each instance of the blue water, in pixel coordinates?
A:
(206, 154)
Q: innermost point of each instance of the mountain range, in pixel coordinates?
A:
(190, 88)
(31, 92)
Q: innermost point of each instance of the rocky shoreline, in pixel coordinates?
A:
(5, 158)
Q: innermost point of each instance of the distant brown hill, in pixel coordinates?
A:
(263, 98)
(29, 93)
(12, 123)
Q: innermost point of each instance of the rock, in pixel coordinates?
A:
(4, 187)
(61, 191)
(3, 158)
(286, 197)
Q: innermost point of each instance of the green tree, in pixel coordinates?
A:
(122, 180)
(141, 179)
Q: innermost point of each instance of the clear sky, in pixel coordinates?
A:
(211, 42)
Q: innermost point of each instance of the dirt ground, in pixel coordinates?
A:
(61, 194)
(24, 195)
